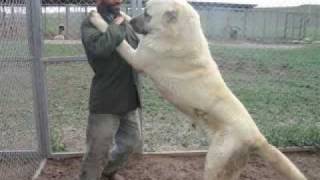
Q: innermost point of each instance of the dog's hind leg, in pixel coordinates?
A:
(225, 158)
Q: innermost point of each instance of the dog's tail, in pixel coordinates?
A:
(279, 161)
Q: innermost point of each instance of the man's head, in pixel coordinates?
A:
(109, 6)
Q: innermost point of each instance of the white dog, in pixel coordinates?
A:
(175, 54)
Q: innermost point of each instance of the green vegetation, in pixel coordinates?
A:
(280, 88)
(58, 50)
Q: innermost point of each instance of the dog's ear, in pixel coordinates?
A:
(171, 16)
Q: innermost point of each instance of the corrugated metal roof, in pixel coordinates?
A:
(68, 1)
(79, 2)
(222, 5)
(50, 1)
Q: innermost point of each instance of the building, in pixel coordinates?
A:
(216, 4)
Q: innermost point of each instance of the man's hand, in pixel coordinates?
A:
(118, 20)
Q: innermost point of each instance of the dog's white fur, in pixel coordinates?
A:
(176, 56)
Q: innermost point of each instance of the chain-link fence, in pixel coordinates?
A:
(19, 144)
(259, 57)
(268, 56)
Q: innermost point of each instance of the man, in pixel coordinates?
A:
(113, 96)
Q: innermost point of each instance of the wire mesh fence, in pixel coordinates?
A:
(61, 26)
(68, 107)
(268, 56)
(19, 155)
(61, 29)
(250, 45)
(258, 54)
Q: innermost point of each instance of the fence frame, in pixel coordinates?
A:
(33, 10)
(40, 103)
(136, 6)
(35, 40)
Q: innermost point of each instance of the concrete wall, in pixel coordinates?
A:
(261, 24)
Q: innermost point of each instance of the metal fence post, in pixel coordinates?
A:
(139, 79)
(139, 6)
(136, 8)
(33, 9)
(133, 4)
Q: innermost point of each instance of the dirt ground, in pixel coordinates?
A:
(164, 167)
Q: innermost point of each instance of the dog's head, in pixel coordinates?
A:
(165, 16)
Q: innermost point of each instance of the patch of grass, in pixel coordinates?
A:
(17, 48)
(68, 91)
(21, 49)
(280, 88)
(60, 50)
(56, 141)
(284, 94)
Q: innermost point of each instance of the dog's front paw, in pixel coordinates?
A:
(97, 20)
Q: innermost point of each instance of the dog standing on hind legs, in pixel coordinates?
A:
(174, 53)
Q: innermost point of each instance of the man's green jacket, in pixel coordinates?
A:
(113, 89)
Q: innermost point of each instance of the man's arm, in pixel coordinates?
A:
(99, 43)
(124, 48)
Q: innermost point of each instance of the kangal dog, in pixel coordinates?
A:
(174, 53)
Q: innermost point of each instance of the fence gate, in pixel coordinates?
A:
(295, 26)
(29, 43)
(23, 139)
(45, 79)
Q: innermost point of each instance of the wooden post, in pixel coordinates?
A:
(67, 25)
(86, 10)
(285, 26)
(253, 21)
(293, 26)
(45, 20)
(12, 9)
(12, 17)
(35, 41)
(306, 22)
(316, 30)
(245, 24)
(276, 36)
(264, 24)
(3, 16)
(301, 26)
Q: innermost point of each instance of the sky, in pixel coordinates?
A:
(269, 3)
